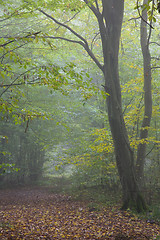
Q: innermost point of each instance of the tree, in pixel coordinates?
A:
(145, 40)
(113, 14)
(109, 15)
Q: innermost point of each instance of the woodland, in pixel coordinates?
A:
(80, 119)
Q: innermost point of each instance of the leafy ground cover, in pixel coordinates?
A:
(37, 213)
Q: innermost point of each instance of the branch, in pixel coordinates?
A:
(155, 67)
(142, 17)
(100, 19)
(84, 45)
(93, 57)
(97, 5)
(156, 58)
(83, 41)
(2, 20)
(150, 150)
(94, 39)
(69, 19)
(16, 80)
(150, 29)
(133, 18)
(66, 39)
(19, 84)
(63, 25)
(155, 43)
(2, 57)
(93, 8)
(128, 105)
(15, 39)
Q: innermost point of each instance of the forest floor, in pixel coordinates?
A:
(37, 213)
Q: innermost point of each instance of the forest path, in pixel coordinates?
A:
(37, 213)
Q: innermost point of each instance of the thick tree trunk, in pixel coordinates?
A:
(112, 16)
(147, 96)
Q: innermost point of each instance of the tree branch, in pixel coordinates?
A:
(155, 43)
(156, 58)
(93, 8)
(63, 25)
(84, 45)
(97, 5)
(65, 39)
(150, 29)
(83, 41)
(19, 84)
(102, 27)
(20, 75)
(69, 19)
(94, 39)
(15, 38)
(142, 17)
(155, 67)
(2, 57)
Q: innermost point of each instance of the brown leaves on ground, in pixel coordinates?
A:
(40, 214)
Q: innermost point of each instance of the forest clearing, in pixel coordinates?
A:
(37, 213)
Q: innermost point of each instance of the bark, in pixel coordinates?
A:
(147, 96)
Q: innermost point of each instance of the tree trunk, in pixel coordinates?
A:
(112, 17)
(147, 96)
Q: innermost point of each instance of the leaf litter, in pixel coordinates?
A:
(37, 213)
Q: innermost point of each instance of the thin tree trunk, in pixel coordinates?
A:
(147, 96)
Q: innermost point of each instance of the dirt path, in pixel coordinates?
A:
(39, 214)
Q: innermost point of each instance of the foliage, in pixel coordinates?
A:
(25, 159)
(25, 214)
(74, 131)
